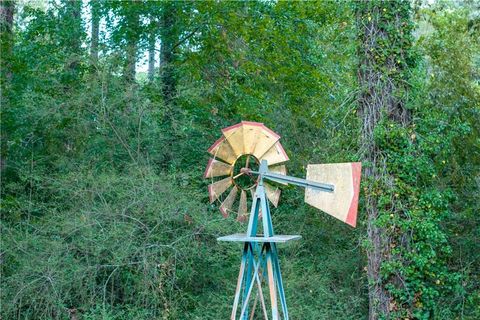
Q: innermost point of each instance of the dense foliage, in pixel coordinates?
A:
(104, 214)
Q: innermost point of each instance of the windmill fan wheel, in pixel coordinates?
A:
(243, 146)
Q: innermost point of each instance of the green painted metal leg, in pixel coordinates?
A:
(278, 276)
(240, 281)
(271, 283)
(250, 262)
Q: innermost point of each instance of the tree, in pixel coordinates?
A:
(169, 38)
(73, 23)
(132, 36)
(383, 48)
(7, 9)
(403, 133)
(151, 56)
(95, 23)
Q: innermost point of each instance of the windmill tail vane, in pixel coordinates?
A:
(247, 159)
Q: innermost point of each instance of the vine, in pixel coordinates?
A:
(407, 246)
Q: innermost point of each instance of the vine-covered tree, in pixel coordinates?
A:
(384, 59)
(407, 207)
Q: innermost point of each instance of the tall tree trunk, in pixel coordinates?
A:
(380, 80)
(168, 41)
(73, 20)
(95, 10)
(132, 38)
(7, 9)
(129, 69)
(6, 15)
(151, 56)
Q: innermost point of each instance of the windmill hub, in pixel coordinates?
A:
(241, 173)
(247, 156)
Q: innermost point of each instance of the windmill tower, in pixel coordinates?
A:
(245, 159)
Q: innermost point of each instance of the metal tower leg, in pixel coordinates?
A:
(279, 280)
(240, 280)
(254, 262)
(271, 283)
(265, 262)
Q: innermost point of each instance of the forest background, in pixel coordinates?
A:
(108, 107)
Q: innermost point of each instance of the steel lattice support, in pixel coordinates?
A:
(259, 261)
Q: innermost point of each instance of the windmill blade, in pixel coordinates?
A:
(251, 135)
(234, 136)
(281, 169)
(242, 207)
(273, 193)
(276, 154)
(223, 150)
(343, 202)
(217, 168)
(267, 140)
(228, 202)
(216, 189)
(257, 138)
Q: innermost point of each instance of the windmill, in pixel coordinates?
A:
(246, 159)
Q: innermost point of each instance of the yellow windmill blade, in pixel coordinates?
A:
(221, 149)
(273, 193)
(216, 189)
(217, 168)
(276, 154)
(343, 202)
(267, 140)
(279, 169)
(234, 136)
(251, 135)
(257, 138)
(227, 204)
(242, 207)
